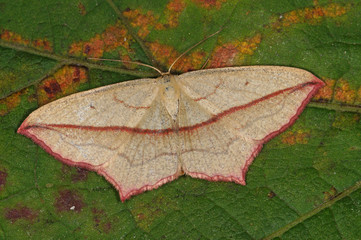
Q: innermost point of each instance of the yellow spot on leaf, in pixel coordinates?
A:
(62, 83)
(41, 44)
(325, 93)
(343, 93)
(112, 38)
(346, 120)
(248, 46)
(297, 137)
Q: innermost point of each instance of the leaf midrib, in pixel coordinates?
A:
(313, 212)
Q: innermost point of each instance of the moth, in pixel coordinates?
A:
(141, 134)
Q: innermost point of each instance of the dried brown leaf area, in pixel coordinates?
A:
(208, 124)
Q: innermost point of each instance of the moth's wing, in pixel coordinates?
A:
(226, 115)
(113, 130)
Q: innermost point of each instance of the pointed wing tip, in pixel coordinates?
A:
(318, 81)
(22, 129)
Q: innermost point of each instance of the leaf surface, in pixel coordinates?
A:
(304, 184)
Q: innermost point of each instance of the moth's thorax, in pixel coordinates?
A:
(170, 95)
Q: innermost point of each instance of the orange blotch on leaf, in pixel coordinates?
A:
(10, 102)
(112, 38)
(325, 93)
(143, 21)
(166, 55)
(63, 82)
(310, 15)
(296, 137)
(226, 54)
(210, 3)
(146, 21)
(41, 44)
(343, 93)
(173, 11)
(223, 55)
(176, 5)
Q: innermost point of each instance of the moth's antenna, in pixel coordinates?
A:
(124, 61)
(205, 39)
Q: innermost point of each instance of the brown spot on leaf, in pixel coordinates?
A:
(296, 137)
(343, 93)
(81, 8)
(52, 87)
(41, 44)
(10, 102)
(325, 93)
(330, 194)
(20, 212)
(358, 99)
(113, 37)
(310, 15)
(271, 194)
(68, 200)
(210, 3)
(3, 176)
(145, 213)
(64, 82)
(100, 220)
(80, 175)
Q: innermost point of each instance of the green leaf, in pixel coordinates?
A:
(305, 184)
